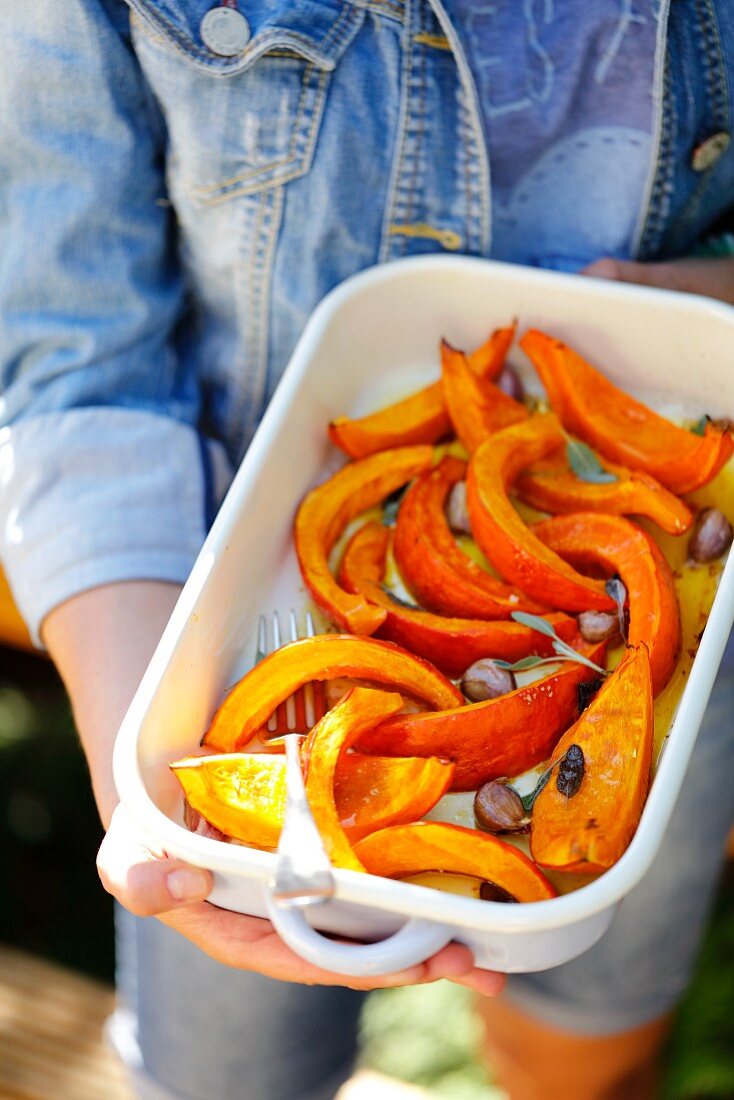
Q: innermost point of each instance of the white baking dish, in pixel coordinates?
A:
(371, 340)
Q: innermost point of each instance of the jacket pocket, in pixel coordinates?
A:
(239, 125)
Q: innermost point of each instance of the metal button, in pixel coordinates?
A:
(709, 152)
(225, 31)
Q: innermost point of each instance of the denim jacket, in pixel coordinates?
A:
(171, 216)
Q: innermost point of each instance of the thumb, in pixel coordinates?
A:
(142, 882)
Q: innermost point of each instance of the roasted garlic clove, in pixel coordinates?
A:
(486, 680)
(457, 512)
(498, 808)
(712, 536)
(597, 626)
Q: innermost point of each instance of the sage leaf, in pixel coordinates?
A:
(565, 652)
(529, 799)
(399, 600)
(699, 428)
(535, 622)
(522, 664)
(570, 654)
(586, 465)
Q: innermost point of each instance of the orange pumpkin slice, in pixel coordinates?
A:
(405, 850)
(253, 699)
(590, 829)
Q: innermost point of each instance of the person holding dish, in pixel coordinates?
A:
(183, 181)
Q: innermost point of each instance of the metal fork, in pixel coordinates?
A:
(303, 874)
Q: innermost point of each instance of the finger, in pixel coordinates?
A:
(488, 983)
(251, 943)
(142, 882)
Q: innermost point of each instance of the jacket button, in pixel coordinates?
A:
(225, 31)
(710, 151)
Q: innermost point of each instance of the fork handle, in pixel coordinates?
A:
(416, 941)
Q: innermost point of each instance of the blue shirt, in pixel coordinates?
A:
(170, 217)
(568, 94)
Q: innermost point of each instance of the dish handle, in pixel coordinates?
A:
(416, 941)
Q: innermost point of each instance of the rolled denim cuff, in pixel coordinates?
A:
(98, 495)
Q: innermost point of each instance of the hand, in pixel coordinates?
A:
(149, 884)
(711, 276)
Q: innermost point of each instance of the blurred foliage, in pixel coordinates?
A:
(429, 1036)
(701, 1051)
(51, 901)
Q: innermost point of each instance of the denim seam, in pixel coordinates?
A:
(435, 41)
(662, 186)
(659, 108)
(390, 9)
(310, 101)
(253, 307)
(715, 68)
(415, 132)
(482, 170)
(389, 245)
(172, 36)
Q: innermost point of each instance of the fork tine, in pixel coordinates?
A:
(290, 703)
(316, 697)
(279, 719)
(309, 691)
(262, 640)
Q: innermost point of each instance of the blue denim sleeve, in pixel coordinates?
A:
(101, 471)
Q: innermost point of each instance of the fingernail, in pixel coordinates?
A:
(187, 884)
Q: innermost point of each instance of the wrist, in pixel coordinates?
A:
(101, 642)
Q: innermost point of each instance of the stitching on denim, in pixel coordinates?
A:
(478, 155)
(435, 41)
(312, 50)
(301, 162)
(663, 183)
(449, 238)
(387, 243)
(208, 189)
(659, 116)
(715, 67)
(392, 9)
(253, 307)
(300, 155)
(417, 130)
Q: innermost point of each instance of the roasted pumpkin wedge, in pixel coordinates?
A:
(326, 511)
(616, 545)
(420, 418)
(405, 850)
(621, 428)
(451, 644)
(502, 736)
(585, 820)
(359, 710)
(507, 541)
(476, 407)
(325, 657)
(551, 486)
(434, 567)
(243, 794)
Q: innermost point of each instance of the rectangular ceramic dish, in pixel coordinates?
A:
(372, 340)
